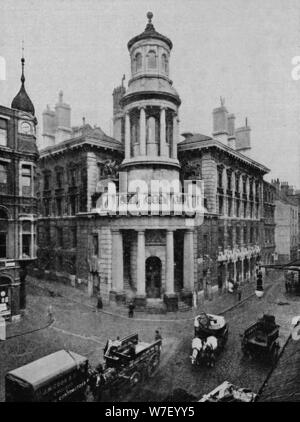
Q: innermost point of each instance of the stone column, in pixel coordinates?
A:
(141, 278)
(117, 269)
(226, 275)
(142, 131)
(188, 265)
(163, 149)
(175, 136)
(127, 136)
(242, 271)
(234, 271)
(170, 298)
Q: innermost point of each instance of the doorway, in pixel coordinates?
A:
(153, 277)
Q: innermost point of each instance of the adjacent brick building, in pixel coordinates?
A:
(18, 207)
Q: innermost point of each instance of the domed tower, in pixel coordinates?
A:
(22, 101)
(150, 106)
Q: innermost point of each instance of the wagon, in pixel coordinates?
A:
(261, 339)
(206, 325)
(127, 362)
(211, 334)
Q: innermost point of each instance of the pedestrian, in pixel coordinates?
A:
(131, 309)
(239, 292)
(99, 302)
(157, 335)
(50, 314)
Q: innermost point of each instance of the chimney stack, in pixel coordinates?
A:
(118, 93)
(220, 122)
(48, 128)
(243, 140)
(62, 120)
(231, 131)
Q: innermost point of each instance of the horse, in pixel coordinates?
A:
(197, 346)
(209, 350)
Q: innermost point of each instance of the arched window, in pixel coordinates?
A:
(3, 233)
(151, 60)
(164, 62)
(138, 61)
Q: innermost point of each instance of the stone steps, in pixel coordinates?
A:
(183, 307)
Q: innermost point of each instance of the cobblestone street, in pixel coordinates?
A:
(79, 327)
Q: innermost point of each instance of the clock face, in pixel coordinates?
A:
(26, 127)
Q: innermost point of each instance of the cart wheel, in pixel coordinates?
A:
(135, 378)
(152, 365)
(275, 352)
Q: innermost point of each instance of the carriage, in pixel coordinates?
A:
(261, 339)
(127, 362)
(211, 335)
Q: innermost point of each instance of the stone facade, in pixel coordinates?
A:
(18, 207)
(157, 258)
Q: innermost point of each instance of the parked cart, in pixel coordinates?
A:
(261, 339)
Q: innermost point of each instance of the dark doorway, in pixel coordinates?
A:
(153, 277)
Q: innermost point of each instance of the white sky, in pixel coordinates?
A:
(239, 49)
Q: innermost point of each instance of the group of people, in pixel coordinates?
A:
(234, 287)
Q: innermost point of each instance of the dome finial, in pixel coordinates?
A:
(149, 17)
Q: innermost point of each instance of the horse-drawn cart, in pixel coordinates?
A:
(261, 339)
(127, 362)
(211, 334)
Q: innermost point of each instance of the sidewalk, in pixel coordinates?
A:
(219, 303)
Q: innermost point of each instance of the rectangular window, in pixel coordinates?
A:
(3, 132)
(95, 244)
(28, 240)
(58, 206)
(229, 207)
(3, 236)
(237, 184)
(229, 181)
(220, 178)
(73, 177)
(46, 181)
(74, 237)
(59, 180)
(72, 205)
(237, 208)
(221, 204)
(3, 173)
(59, 237)
(205, 244)
(26, 180)
(47, 207)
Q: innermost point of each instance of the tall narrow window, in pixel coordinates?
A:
(26, 180)
(3, 132)
(138, 62)
(151, 60)
(3, 173)
(59, 237)
(59, 180)
(3, 233)
(72, 205)
(74, 237)
(59, 206)
(164, 62)
(46, 181)
(95, 244)
(28, 239)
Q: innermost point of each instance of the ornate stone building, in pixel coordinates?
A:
(158, 258)
(18, 208)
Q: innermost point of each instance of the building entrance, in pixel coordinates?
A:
(153, 277)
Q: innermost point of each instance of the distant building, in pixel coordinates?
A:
(287, 220)
(18, 207)
(159, 259)
(269, 247)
